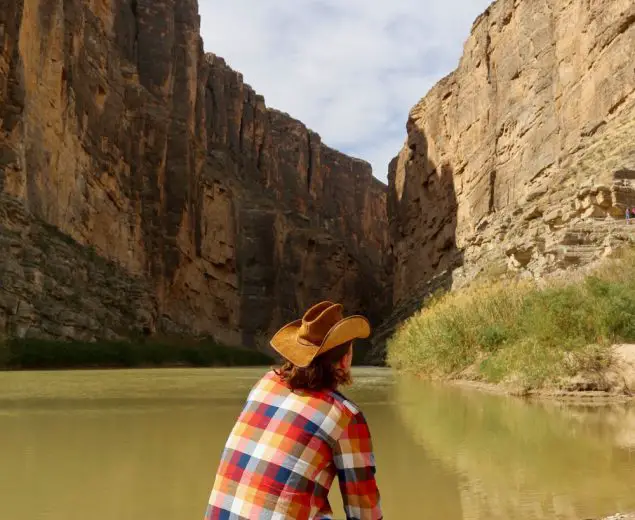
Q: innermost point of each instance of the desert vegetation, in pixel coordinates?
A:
(534, 334)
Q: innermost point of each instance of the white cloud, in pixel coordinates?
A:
(349, 69)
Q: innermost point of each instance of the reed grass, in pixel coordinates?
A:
(520, 331)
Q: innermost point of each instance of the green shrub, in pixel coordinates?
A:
(518, 331)
(492, 337)
(5, 354)
(51, 354)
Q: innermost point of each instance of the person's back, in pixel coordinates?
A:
(296, 433)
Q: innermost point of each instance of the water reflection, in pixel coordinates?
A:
(413, 485)
(524, 460)
(119, 445)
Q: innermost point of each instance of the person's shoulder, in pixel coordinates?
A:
(268, 383)
(348, 406)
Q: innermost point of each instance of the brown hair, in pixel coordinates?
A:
(321, 374)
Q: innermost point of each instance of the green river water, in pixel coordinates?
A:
(133, 444)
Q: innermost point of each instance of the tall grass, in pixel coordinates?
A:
(516, 331)
(50, 354)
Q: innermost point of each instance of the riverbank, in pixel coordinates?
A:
(570, 335)
(37, 354)
(617, 383)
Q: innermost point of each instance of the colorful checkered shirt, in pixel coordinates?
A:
(284, 452)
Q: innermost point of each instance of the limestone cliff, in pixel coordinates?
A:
(522, 159)
(145, 186)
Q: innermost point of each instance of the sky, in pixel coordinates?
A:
(350, 70)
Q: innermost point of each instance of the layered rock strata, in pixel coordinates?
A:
(145, 186)
(523, 159)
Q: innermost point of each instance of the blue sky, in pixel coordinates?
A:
(349, 69)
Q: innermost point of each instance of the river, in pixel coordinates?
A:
(131, 444)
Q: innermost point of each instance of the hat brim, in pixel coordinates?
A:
(285, 340)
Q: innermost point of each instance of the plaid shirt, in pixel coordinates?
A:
(284, 452)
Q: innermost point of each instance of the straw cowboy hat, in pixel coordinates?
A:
(322, 328)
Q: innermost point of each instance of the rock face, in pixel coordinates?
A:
(145, 186)
(522, 159)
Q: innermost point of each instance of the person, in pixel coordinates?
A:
(296, 431)
(628, 215)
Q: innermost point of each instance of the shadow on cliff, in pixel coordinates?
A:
(423, 215)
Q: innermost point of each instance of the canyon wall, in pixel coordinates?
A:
(145, 187)
(523, 159)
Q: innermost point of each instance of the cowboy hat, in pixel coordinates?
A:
(322, 328)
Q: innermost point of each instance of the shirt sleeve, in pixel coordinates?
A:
(355, 462)
(325, 512)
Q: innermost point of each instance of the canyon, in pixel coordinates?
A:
(522, 160)
(145, 188)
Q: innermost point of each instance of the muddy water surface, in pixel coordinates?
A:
(124, 445)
